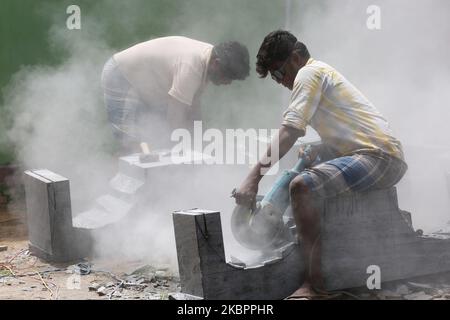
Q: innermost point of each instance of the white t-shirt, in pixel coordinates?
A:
(163, 67)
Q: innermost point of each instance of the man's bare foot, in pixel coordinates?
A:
(307, 292)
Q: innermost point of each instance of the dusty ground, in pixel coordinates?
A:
(23, 276)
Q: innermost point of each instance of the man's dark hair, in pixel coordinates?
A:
(278, 46)
(234, 60)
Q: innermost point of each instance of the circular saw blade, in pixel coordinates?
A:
(256, 229)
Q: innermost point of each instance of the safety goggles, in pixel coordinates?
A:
(278, 75)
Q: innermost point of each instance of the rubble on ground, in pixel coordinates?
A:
(147, 283)
(28, 277)
(23, 276)
(433, 287)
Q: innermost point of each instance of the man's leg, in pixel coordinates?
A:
(121, 105)
(307, 218)
(353, 173)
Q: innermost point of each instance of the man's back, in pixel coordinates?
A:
(161, 67)
(343, 117)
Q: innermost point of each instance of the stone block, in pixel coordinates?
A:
(358, 231)
(49, 217)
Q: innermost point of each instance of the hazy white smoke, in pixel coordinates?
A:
(60, 122)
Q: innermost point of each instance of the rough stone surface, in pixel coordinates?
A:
(359, 231)
(49, 217)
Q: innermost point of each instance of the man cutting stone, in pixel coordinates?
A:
(359, 152)
(155, 87)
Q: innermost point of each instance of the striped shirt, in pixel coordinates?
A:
(343, 117)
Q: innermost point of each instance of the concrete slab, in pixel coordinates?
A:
(125, 184)
(358, 231)
(49, 217)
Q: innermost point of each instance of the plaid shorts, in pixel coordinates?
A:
(359, 172)
(132, 120)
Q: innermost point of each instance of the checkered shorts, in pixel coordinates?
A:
(354, 173)
(132, 120)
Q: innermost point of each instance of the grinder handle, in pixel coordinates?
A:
(303, 161)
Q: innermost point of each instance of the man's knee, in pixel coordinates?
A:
(298, 187)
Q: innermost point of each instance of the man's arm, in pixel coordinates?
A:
(179, 115)
(287, 136)
(196, 114)
(184, 95)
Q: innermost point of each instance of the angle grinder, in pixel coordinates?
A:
(261, 227)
